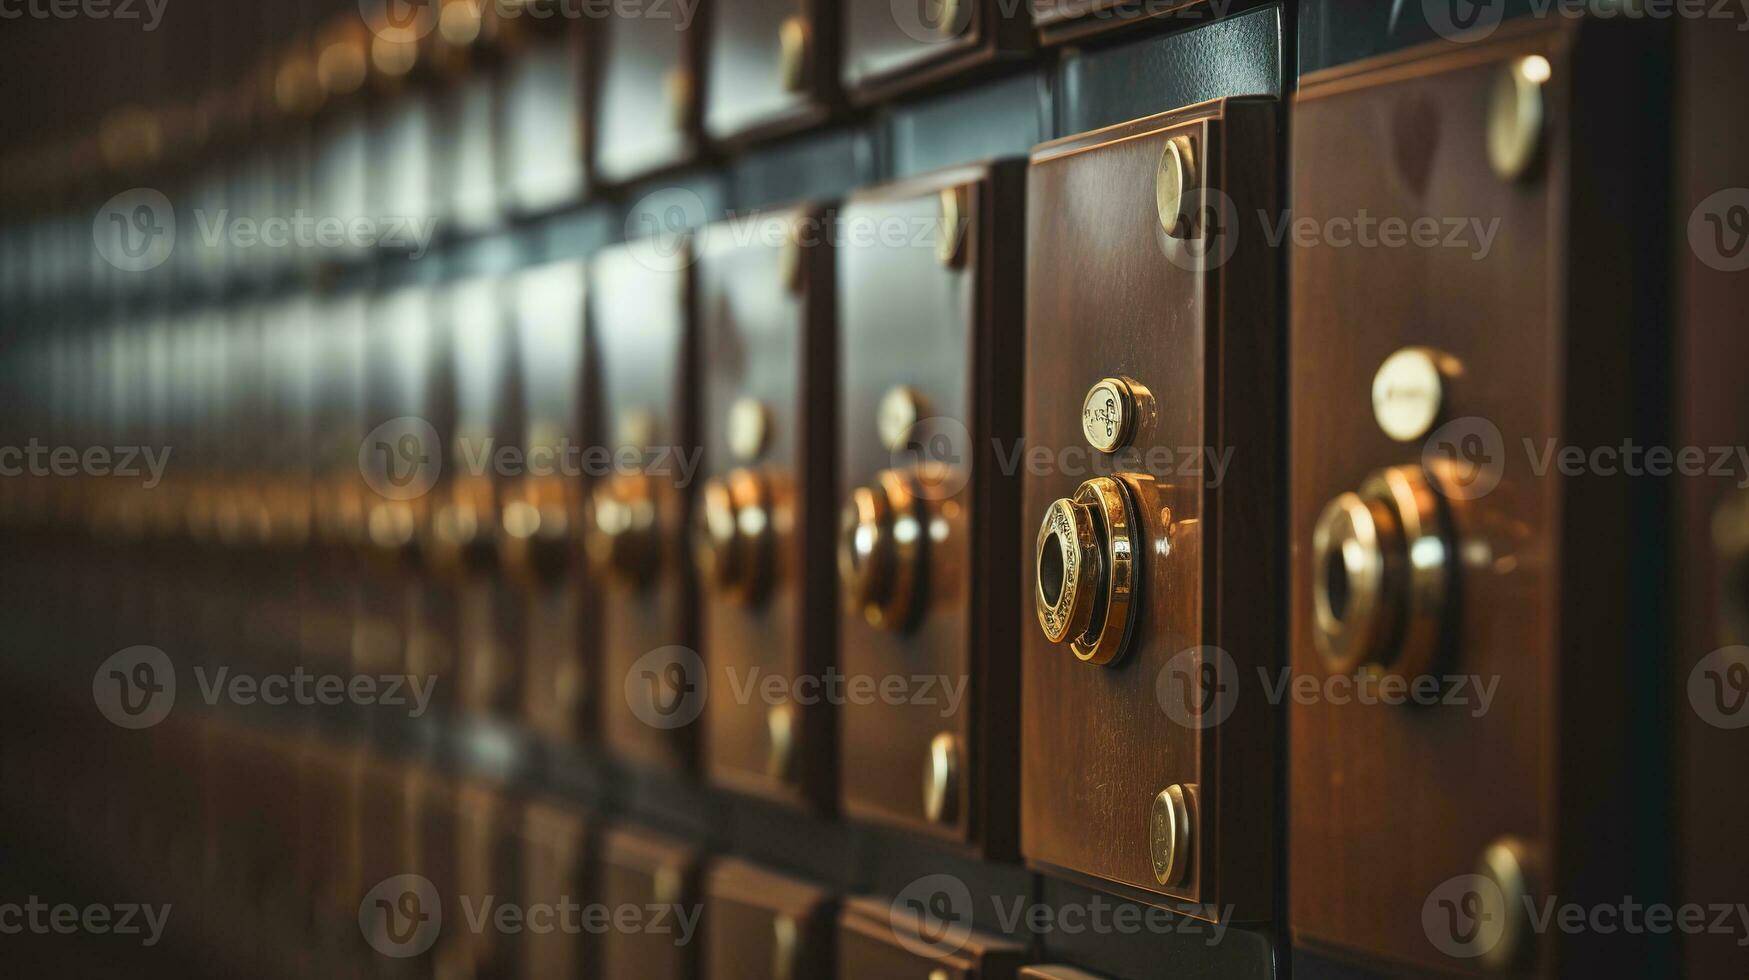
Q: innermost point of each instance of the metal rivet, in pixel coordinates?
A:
(941, 780)
(792, 39)
(780, 728)
(1174, 183)
(951, 235)
(1408, 392)
(1516, 115)
(748, 427)
(898, 413)
(1169, 830)
(1503, 864)
(1108, 414)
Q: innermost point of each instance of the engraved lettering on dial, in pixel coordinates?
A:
(1108, 414)
(1408, 392)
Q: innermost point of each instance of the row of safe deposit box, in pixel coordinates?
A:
(1089, 513)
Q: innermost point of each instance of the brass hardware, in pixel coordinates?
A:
(637, 428)
(665, 885)
(1170, 824)
(678, 94)
(1108, 414)
(460, 530)
(939, 975)
(539, 530)
(792, 64)
(781, 734)
(748, 427)
(1505, 939)
(622, 539)
(1516, 115)
(947, 21)
(342, 64)
(898, 413)
(1175, 186)
(950, 242)
(1730, 532)
(941, 780)
(786, 943)
(881, 551)
(460, 22)
(1086, 571)
(1383, 575)
(789, 260)
(1408, 392)
(732, 531)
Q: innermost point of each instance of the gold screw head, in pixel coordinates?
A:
(1503, 864)
(781, 734)
(900, 410)
(1516, 115)
(1169, 831)
(1175, 186)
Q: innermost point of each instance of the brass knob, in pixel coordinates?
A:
(1382, 575)
(881, 551)
(539, 528)
(941, 780)
(1170, 828)
(622, 540)
(1086, 570)
(392, 531)
(732, 532)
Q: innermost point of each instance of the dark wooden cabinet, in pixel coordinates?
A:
(765, 510)
(879, 942)
(1434, 552)
(1066, 21)
(641, 351)
(658, 877)
(545, 111)
(542, 515)
(928, 321)
(765, 926)
(649, 101)
(894, 48)
(1709, 666)
(1153, 468)
(558, 867)
(770, 67)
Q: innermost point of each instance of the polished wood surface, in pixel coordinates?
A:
(764, 338)
(1389, 802)
(745, 92)
(1106, 299)
(875, 942)
(649, 871)
(895, 48)
(557, 866)
(765, 925)
(951, 334)
(640, 346)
